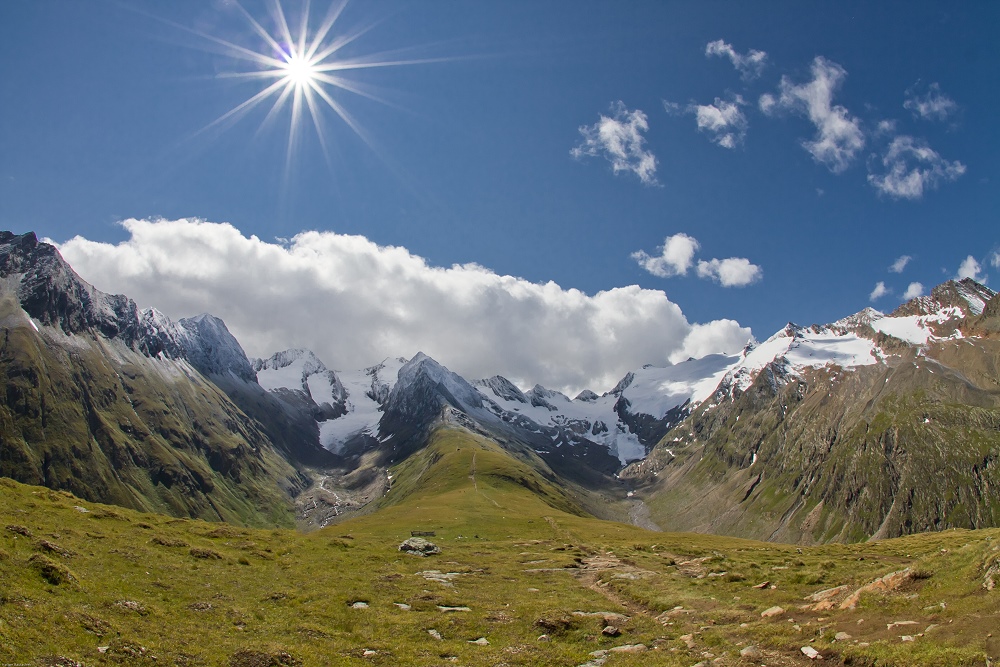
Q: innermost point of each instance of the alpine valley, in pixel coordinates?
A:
(827, 438)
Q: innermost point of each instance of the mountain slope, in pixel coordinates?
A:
(906, 439)
(116, 405)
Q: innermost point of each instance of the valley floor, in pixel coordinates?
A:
(518, 581)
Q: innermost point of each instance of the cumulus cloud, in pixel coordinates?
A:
(354, 303)
(933, 105)
(675, 258)
(912, 166)
(723, 121)
(995, 260)
(838, 134)
(880, 291)
(750, 65)
(730, 272)
(900, 264)
(913, 290)
(705, 339)
(619, 139)
(970, 268)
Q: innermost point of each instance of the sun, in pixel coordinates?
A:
(298, 66)
(299, 71)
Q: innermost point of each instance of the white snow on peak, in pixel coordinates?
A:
(656, 391)
(300, 370)
(919, 329)
(866, 316)
(366, 390)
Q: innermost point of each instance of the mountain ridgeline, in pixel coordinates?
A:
(873, 426)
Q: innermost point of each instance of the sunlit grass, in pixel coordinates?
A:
(194, 593)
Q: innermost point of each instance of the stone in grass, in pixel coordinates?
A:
(811, 653)
(482, 641)
(435, 634)
(610, 631)
(418, 546)
(771, 612)
(629, 648)
(750, 652)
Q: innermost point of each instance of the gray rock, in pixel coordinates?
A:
(418, 546)
(750, 652)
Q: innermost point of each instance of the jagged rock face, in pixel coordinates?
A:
(211, 349)
(50, 292)
(108, 402)
(424, 387)
(965, 294)
(503, 388)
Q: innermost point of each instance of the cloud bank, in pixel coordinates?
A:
(619, 139)
(677, 256)
(354, 303)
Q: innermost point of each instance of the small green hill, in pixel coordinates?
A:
(523, 577)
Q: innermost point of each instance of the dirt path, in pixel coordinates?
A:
(475, 485)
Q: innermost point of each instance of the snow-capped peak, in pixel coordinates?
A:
(212, 349)
(858, 319)
(502, 388)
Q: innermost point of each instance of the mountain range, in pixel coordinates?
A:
(876, 425)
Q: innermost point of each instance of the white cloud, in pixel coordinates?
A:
(838, 133)
(730, 272)
(970, 268)
(619, 139)
(672, 108)
(913, 290)
(354, 303)
(995, 260)
(900, 264)
(885, 127)
(911, 166)
(676, 255)
(879, 291)
(934, 105)
(705, 339)
(724, 122)
(749, 65)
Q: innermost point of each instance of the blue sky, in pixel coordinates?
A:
(859, 133)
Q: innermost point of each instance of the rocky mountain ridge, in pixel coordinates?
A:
(817, 433)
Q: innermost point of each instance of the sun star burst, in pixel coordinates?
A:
(300, 67)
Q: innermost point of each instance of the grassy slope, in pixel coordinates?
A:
(107, 423)
(844, 455)
(195, 593)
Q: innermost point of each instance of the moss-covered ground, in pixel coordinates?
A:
(82, 583)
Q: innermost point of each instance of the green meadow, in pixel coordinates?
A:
(523, 577)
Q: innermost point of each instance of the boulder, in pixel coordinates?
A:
(418, 546)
